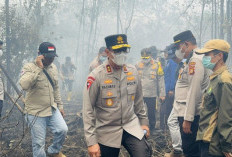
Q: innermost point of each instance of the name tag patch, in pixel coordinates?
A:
(131, 83)
(108, 86)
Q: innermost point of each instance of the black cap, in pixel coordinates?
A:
(183, 36)
(47, 49)
(170, 50)
(169, 47)
(152, 50)
(145, 52)
(116, 41)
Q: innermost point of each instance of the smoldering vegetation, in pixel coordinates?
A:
(16, 137)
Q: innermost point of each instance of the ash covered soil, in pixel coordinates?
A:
(15, 140)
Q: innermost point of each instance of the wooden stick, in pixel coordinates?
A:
(13, 101)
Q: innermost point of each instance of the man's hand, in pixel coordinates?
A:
(62, 112)
(39, 62)
(94, 150)
(170, 93)
(187, 127)
(162, 98)
(227, 154)
(144, 127)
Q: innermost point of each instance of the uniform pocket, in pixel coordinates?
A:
(209, 101)
(109, 98)
(41, 82)
(131, 90)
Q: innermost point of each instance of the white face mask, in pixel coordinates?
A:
(179, 54)
(1, 52)
(120, 58)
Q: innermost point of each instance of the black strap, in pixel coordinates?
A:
(49, 78)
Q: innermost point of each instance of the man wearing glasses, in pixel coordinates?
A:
(152, 84)
(113, 109)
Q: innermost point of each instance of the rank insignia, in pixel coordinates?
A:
(109, 102)
(131, 78)
(125, 69)
(108, 68)
(108, 81)
(120, 40)
(90, 81)
(192, 68)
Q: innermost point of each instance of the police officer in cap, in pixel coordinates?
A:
(192, 82)
(152, 83)
(99, 59)
(113, 108)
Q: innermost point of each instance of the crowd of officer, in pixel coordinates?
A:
(190, 87)
(193, 88)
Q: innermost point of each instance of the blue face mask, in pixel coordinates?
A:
(102, 58)
(206, 61)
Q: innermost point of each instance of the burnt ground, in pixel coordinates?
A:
(15, 138)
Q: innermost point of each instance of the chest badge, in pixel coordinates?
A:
(108, 81)
(131, 78)
(109, 102)
(153, 66)
(109, 94)
(129, 73)
(132, 97)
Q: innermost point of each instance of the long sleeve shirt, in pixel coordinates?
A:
(169, 75)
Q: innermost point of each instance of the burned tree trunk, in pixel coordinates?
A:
(7, 41)
(201, 23)
(221, 35)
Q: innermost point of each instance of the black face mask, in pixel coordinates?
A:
(48, 61)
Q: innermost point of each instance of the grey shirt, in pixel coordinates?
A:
(113, 102)
(193, 80)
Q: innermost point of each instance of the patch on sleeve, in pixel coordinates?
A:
(124, 68)
(192, 68)
(90, 81)
(22, 72)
